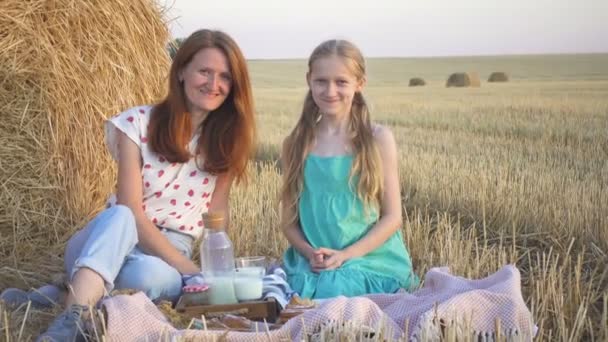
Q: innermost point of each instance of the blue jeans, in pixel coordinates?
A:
(108, 246)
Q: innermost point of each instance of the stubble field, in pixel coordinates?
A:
(511, 172)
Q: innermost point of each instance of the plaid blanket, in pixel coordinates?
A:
(474, 306)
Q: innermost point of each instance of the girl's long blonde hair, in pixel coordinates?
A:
(367, 164)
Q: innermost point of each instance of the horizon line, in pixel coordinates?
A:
(447, 56)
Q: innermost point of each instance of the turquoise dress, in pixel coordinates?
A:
(332, 216)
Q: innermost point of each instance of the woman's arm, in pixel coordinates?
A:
(221, 196)
(390, 211)
(130, 194)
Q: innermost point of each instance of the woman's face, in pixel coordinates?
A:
(206, 80)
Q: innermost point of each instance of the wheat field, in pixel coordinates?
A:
(507, 173)
(511, 172)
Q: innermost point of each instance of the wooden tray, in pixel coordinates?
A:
(255, 310)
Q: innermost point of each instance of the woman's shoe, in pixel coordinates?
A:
(67, 327)
(45, 297)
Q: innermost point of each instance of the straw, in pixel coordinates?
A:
(66, 66)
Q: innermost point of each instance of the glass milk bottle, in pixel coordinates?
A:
(217, 260)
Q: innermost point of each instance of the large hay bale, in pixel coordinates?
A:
(65, 66)
(498, 76)
(417, 82)
(463, 79)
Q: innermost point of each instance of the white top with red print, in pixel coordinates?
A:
(175, 195)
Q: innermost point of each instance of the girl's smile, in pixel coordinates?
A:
(333, 85)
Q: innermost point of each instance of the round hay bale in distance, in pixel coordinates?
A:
(498, 76)
(463, 79)
(417, 82)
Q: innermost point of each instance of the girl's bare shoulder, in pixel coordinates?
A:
(382, 134)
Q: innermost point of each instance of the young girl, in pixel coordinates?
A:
(341, 205)
(176, 160)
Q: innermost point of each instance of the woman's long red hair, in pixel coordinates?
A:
(227, 134)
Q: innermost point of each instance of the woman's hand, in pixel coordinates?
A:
(328, 259)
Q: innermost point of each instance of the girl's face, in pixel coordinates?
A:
(206, 80)
(333, 85)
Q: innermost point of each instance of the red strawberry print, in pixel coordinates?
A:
(143, 207)
(187, 204)
(191, 193)
(193, 173)
(200, 223)
(173, 164)
(159, 209)
(176, 186)
(147, 166)
(158, 194)
(205, 181)
(206, 194)
(161, 173)
(191, 227)
(207, 204)
(182, 227)
(173, 202)
(130, 119)
(172, 213)
(154, 220)
(141, 111)
(163, 223)
(167, 185)
(161, 159)
(144, 140)
(178, 217)
(147, 184)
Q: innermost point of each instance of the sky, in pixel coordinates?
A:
(274, 29)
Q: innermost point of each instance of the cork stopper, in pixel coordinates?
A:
(214, 220)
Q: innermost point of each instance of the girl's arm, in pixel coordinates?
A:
(130, 194)
(296, 239)
(293, 233)
(390, 211)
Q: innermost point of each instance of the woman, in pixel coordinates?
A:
(176, 160)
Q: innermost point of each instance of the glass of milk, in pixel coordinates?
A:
(222, 290)
(248, 277)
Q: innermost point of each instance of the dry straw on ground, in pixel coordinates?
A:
(498, 76)
(463, 79)
(65, 66)
(417, 82)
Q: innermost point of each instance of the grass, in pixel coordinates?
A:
(506, 173)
